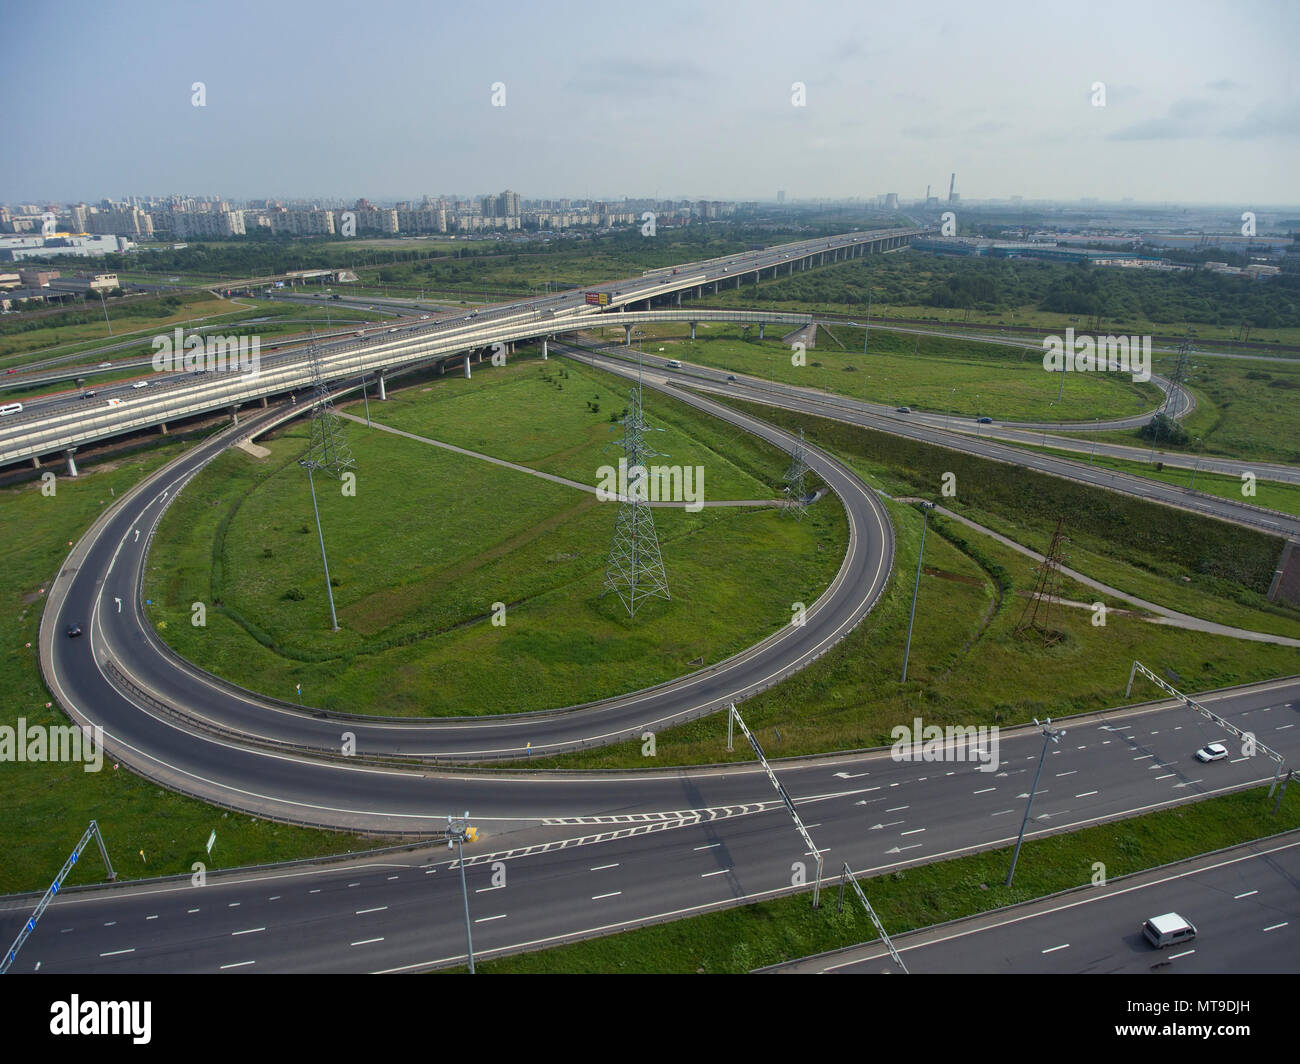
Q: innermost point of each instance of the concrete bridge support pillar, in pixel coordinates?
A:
(263, 402)
(761, 326)
(162, 428)
(467, 369)
(544, 358)
(36, 462)
(693, 324)
(234, 415)
(72, 462)
(383, 391)
(627, 336)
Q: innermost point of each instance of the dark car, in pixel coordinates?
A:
(986, 421)
(731, 380)
(904, 409)
(72, 631)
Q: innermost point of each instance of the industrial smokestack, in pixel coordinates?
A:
(927, 193)
(951, 185)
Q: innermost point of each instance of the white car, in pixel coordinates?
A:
(1212, 752)
(140, 384)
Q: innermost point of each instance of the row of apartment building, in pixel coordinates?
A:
(181, 218)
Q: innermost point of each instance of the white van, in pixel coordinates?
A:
(11, 408)
(1168, 930)
(672, 363)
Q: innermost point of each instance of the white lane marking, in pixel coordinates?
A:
(1143, 757)
(1055, 948)
(611, 894)
(238, 964)
(151, 917)
(898, 809)
(602, 867)
(1072, 772)
(191, 910)
(708, 847)
(110, 923)
(118, 952)
(274, 897)
(484, 890)
(913, 831)
(1004, 812)
(719, 872)
(316, 891)
(486, 919)
(250, 931)
(65, 930)
(1166, 776)
(232, 905)
(1185, 953)
(1276, 926)
(367, 941)
(362, 912)
(391, 878)
(1087, 794)
(354, 884)
(986, 790)
(1246, 895)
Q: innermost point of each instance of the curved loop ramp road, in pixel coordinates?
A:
(177, 725)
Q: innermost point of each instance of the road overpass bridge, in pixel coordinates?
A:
(61, 428)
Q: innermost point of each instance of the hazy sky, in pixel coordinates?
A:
(392, 99)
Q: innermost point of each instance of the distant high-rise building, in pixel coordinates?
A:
(780, 195)
(891, 201)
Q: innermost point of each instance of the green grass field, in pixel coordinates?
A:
(433, 539)
(1245, 409)
(966, 667)
(45, 807)
(966, 378)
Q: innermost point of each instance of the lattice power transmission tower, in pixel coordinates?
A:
(1043, 610)
(796, 480)
(635, 570)
(327, 446)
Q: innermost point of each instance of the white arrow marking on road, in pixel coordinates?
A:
(900, 849)
(877, 827)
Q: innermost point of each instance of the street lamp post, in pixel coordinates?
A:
(1096, 430)
(1051, 735)
(310, 466)
(458, 831)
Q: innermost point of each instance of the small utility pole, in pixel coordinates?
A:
(926, 507)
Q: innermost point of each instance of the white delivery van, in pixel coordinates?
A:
(1168, 930)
